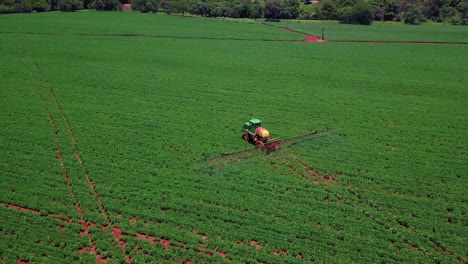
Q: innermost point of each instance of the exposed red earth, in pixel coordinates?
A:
(60, 159)
(77, 155)
(118, 233)
(23, 209)
(309, 38)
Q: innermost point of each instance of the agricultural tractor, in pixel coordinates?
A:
(257, 135)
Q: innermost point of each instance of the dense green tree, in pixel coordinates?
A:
(145, 6)
(106, 5)
(360, 13)
(177, 6)
(200, 8)
(307, 12)
(327, 10)
(69, 5)
(413, 15)
(389, 7)
(462, 7)
(273, 9)
(40, 5)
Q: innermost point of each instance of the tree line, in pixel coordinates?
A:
(346, 11)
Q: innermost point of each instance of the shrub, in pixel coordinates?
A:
(69, 5)
(145, 6)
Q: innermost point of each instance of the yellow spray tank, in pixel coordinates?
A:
(262, 132)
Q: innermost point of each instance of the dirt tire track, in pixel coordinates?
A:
(62, 164)
(77, 154)
(80, 161)
(377, 210)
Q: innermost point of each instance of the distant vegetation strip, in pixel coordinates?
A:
(346, 11)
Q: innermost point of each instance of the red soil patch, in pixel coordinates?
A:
(118, 233)
(309, 38)
(166, 243)
(203, 237)
(22, 209)
(68, 221)
(276, 253)
(22, 262)
(255, 243)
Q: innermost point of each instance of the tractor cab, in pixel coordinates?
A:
(252, 125)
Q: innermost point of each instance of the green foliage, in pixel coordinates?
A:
(274, 9)
(413, 15)
(462, 7)
(307, 12)
(360, 13)
(145, 6)
(16, 6)
(106, 5)
(40, 5)
(327, 10)
(69, 5)
(389, 8)
(176, 6)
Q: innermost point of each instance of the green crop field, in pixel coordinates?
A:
(382, 32)
(118, 149)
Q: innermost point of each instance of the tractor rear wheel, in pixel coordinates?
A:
(259, 144)
(245, 136)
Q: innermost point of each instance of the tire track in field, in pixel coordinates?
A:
(115, 231)
(377, 210)
(83, 223)
(153, 240)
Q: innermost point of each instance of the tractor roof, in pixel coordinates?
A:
(255, 121)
